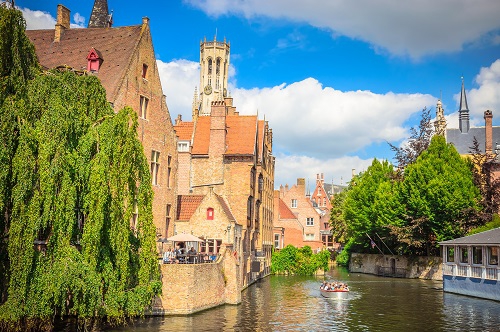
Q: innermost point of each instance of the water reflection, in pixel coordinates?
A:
(280, 303)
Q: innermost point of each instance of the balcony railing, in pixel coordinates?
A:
(482, 272)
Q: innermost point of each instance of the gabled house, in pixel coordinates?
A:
(123, 59)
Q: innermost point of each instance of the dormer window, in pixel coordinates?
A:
(94, 60)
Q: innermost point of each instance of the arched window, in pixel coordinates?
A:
(217, 68)
(209, 66)
(210, 214)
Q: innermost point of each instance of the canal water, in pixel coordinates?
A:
(280, 303)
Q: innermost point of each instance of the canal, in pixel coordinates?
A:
(280, 303)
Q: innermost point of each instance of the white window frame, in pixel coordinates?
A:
(294, 203)
(309, 236)
(155, 166)
(183, 146)
(277, 241)
(309, 221)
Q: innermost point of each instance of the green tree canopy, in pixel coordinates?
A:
(81, 239)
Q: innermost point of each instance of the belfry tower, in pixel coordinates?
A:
(214, 65)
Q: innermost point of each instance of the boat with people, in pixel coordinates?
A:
(336, 289)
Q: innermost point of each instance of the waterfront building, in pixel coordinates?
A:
(470, 265)
(123, 59)
(227, 155)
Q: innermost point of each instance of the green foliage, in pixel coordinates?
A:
(494, 223)
(345, 255)
(78, 174)
(18, 65)
(302, 261)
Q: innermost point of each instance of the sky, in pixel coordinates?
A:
(336, 79)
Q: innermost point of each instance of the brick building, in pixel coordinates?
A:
(227, 155)
(123, 59)
(303, 218)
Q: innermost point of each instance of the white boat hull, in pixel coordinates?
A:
(336, 294)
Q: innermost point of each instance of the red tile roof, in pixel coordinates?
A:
(184, 130)
(285, 212)
(116, 45)
(241, 134)
(187, 205)
(201, 139)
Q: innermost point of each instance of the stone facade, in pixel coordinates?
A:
(189, 288)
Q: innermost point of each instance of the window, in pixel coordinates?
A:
(252, 179)
(155, 166)
(493, 255)
(276, 241)
(309, 237)
(144, 107)
(212, 246)
(167, 219)
(250, 208)
(261, 183)
(144, 70)
(294, 203)
(169, 170)
(324, 201)
(464, 255)
(210, 214)
(477, 255)
(450, 254)
(309, 221)
(183, 147)
(217, 68)
(209, 67)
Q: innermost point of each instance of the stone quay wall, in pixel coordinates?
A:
(189, 288)
(427, 267)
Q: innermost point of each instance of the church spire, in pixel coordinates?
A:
(100, 17)
(463, 112)
(440, 123)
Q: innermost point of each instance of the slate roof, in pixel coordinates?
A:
(336, 189)
(116, 45)
(184, 130)
(463, 141)
(187, 205)
(284, 211)
(491, 237)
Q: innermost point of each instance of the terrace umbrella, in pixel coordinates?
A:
(185, 238)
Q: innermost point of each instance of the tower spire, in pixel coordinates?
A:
(100, 16)
(463, 112)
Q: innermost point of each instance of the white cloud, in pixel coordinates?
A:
(309, 119)
(338, 170)
(487, 95)
(179, 79)
(413, 28)
(38, 20)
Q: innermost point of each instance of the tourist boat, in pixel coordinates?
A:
(335, 293)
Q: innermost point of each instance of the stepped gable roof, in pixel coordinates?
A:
(463, 141)
(241, 134)
(184, 130)
(201, 138)
(491, 237)
(116, 45)
(187, 205)
(225, 207)
(285, 212)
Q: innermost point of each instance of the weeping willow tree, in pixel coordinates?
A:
(79, 235)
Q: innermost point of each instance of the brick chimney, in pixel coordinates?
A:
(488, 132)
(217, 129)
(62, 22)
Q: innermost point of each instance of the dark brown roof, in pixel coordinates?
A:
(116, 45)
(186, 205)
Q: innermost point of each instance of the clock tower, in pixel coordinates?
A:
(214, 65)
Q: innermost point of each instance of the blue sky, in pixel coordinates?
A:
(336, 79)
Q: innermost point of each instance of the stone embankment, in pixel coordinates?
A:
(397, 266)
